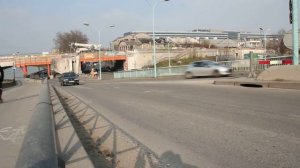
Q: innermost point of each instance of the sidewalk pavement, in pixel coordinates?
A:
(252, 82)
(15, 113)
(283, 77)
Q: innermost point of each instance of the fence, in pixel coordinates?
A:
(149, 73)
(38, 148)
(32, 60)
(236, 66)
(242, 65)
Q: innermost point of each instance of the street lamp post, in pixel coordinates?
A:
(99, 52)
(99, 56)
(295, 32)
(153, 34)
(169, 54)
(14, 66)
(265, 40)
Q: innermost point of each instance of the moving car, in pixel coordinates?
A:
(39, 74)
(206, 68)
(69, 78)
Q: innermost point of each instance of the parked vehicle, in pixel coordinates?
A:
(39, 74)
(206, 68)
(69, 78)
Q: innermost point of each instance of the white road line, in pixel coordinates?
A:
(12, 134)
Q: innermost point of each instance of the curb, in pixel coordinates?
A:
(261, 84)
(9, 83)
(39, 81)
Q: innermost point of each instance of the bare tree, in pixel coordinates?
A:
(283, 49)
(278, 44)
(63, 40)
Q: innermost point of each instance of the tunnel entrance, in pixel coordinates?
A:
(107, 66)
(119, 65)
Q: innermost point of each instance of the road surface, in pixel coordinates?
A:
(191, 123)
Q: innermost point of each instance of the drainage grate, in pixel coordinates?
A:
(251, 85)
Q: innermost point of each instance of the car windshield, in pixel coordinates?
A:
(211, 63)
(71, 74)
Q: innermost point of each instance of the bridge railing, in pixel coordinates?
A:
(39, 148)
(32, 60)
(149, 72)
(241, 65)
(236, 65)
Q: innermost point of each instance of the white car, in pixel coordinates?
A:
(206, 68)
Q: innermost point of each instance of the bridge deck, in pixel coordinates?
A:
(103, 58)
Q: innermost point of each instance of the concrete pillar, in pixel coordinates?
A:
(25, 70)
(49, 69)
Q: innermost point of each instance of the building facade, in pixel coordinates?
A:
(196, 38)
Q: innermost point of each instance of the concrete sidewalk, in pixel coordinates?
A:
(283, 77)
(252, 82)
(15, 113)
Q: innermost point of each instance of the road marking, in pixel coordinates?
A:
(294, 115)
(84, 87)
(192, 123)
(12, 134)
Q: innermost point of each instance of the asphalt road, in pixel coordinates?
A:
(192, 123)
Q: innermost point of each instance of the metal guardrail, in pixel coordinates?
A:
(149, 73)
(242, 65)
(237, 65)
(39, 149)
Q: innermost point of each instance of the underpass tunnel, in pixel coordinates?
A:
(119, 65)
(106, 66)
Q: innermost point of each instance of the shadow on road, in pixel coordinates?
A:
(174, 160)
(107, 140)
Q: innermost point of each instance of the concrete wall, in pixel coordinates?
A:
(62, 65)
(287, 72)
(139, 59)
(6, 64)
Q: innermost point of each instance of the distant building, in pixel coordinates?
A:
(195, 38)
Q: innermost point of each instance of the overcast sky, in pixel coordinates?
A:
(29, 26)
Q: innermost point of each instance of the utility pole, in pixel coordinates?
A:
(294, 20)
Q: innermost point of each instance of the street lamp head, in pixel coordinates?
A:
(112, 26)
(86, 24)
(167, 0)
(261, 29)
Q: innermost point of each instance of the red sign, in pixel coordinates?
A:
(267, 62)
(287, 62)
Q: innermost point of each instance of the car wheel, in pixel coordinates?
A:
(188, 75)
(77, 83)
(216, 73)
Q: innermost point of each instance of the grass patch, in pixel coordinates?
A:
(182, 61)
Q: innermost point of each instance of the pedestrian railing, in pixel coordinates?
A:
(236, 66)
(149, 72)
(39, 148)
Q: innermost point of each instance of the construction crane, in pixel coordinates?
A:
(85, 47)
